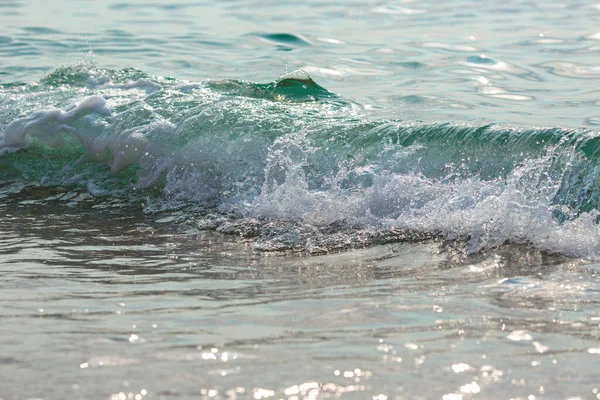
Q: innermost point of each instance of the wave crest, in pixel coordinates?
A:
(299, 165)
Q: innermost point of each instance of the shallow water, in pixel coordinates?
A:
(100, 303)
(299, 200)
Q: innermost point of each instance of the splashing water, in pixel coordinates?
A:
(293, 152)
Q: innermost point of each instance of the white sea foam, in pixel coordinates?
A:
(258, 158)
(515, 209)
(82, 121)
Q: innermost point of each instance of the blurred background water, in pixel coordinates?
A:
(100, 300)
(523, 62)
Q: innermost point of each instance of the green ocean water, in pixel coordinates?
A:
(386, 200)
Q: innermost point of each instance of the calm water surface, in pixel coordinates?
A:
(108, 303)
(525, 62)
(103, 296)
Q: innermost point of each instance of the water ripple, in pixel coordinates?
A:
(571, 69)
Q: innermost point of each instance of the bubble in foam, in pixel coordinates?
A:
(309, 174)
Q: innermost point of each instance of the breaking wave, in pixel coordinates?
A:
(295, 166)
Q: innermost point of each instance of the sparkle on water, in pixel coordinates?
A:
(99, 300)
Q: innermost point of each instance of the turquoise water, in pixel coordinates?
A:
(279, 200)
(529, 63)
